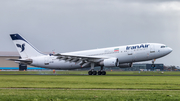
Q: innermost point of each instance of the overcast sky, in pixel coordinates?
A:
(73, 25)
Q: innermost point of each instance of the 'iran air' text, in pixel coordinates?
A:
(137, 46)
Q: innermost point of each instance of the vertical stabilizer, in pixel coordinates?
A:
(24, 48)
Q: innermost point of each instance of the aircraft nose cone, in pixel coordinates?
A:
(170, 50)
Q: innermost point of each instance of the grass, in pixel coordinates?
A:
(91, 82)
(87, 88)
(86, 95)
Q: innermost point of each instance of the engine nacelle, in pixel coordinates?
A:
(112, 62)
(125, 65)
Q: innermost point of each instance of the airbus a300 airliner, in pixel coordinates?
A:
(120, 56)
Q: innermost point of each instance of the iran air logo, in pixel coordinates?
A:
(21, 46)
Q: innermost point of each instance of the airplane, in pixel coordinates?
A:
(120, 56)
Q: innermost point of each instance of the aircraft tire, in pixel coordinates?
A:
(90, 72)
(152, 65)
(103, 72)
(94, 72)
(99, 72)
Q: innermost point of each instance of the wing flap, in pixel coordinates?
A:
(85, 64)
(77, 56)
(79, 59)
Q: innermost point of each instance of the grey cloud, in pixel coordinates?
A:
(72, 25)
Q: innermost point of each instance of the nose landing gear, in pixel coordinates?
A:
(153, 65)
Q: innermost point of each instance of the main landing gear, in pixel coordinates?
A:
(101, 72)
(92, 72)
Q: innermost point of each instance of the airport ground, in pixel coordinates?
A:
(78, 86)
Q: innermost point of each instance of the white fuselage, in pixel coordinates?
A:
(124, 54)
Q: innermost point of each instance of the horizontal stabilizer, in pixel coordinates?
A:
(27, 61)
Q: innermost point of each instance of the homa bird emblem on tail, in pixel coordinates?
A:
(21, 46)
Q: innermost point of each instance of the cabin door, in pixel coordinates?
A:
(152, 51)
(130, 55)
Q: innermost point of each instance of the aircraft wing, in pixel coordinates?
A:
(80, 59)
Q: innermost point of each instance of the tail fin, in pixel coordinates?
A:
(24, 48)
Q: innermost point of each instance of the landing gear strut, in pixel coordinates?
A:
(92, 72)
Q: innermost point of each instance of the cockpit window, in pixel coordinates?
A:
(163, 46)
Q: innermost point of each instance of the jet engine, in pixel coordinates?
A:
(125, 65)
(112, 62)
